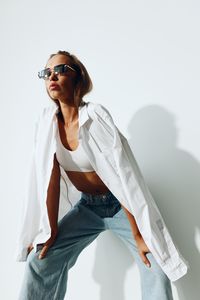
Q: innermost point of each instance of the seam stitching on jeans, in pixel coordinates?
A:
(61, 272)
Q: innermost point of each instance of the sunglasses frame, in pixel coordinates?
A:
(64, 66)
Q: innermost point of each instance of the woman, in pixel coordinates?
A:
(80, 155)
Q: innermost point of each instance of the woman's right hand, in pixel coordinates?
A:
(48, 243)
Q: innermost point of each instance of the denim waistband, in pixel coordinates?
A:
(107, 197)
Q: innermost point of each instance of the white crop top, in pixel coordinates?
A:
(75, 160)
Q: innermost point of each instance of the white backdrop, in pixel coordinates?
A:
(143, 58)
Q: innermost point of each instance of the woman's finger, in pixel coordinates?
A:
(145, 259)
(46, 246)
(30, 248)
(43, 251)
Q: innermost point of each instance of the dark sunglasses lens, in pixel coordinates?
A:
(59, 69)
(44, 73)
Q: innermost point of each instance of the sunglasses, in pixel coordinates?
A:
(59, 69)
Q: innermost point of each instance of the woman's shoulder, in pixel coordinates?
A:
(50, 109)
(98, 109)
(47, 111)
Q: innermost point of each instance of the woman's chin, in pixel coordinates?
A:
(55, 94)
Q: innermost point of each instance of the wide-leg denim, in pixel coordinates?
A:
(46, 279)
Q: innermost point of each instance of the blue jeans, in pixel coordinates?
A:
(46, 279)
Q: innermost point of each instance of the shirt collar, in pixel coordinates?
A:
(82, 112)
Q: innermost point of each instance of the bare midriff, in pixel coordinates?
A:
(86, 182)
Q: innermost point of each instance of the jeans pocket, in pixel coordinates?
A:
(105, 211)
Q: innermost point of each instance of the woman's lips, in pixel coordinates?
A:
(54, 87)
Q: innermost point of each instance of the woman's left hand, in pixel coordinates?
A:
(143, 249)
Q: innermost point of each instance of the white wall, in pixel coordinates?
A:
(143, 57)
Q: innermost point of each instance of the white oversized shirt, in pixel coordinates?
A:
(112, 158)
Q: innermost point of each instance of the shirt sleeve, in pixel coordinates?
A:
(29, 216)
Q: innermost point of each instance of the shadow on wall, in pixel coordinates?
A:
(173, 177)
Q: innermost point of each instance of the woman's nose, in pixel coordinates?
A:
(53, 76)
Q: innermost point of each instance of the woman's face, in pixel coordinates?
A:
(65, 83)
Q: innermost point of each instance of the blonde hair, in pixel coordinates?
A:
(83, 82)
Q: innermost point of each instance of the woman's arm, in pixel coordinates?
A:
(134, 227)
(53, 196)
(142, 247)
